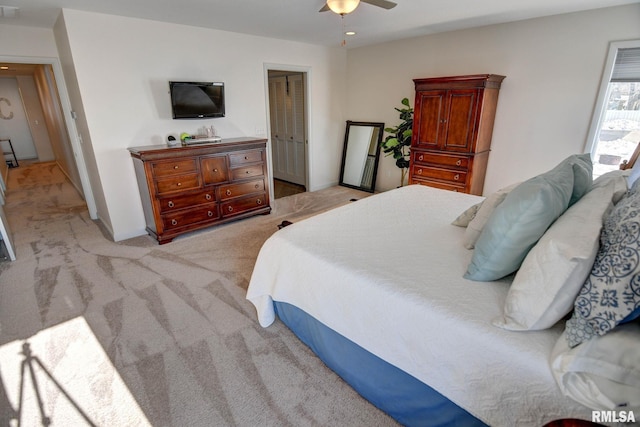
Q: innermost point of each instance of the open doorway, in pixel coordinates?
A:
(52, 128)
(23, 125)
(288, 131)
(33, 118)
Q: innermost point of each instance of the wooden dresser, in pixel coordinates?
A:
(186, 188)
(452, 127)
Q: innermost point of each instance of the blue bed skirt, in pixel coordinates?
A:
(406, 399)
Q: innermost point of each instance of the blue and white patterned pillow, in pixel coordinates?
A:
(612, 292)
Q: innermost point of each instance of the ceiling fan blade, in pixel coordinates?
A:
(325, 8)
(381, 3)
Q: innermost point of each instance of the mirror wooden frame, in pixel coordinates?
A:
(367, 165)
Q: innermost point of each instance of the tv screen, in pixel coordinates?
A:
(193, 100)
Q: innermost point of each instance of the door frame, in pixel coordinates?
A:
(306, 72)
(72, 132)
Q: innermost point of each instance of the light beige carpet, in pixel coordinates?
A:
(140, 334)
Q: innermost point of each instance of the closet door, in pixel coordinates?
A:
(277, 109)
(296, 134)
(286, 103)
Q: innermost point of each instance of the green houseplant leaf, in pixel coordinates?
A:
(398, 142)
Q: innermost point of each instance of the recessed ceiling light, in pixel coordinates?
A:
(350, 33)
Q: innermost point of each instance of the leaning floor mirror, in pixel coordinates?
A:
(361, 154)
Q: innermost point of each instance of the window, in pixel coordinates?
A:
(615, 128)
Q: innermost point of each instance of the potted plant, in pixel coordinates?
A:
(398, 142)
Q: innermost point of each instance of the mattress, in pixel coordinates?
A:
(386, 273)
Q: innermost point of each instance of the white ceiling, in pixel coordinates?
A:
(299, 20)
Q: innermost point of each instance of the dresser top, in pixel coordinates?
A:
(229, 144)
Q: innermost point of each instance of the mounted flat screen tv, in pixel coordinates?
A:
(197, 100)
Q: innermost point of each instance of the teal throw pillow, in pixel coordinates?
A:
(582, 175)
(519, 222)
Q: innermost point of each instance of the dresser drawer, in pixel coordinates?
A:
(188, 217)
(214, 170)
(439, 184)
(178, 183)
(458, 162)
(252, 156)
(245, 204)
(174, 167)
(231, 191)
(426, 172)
(168, 204)
(247, 172)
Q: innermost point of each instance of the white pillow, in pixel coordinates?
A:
(620, 180)
(475, 226)
(553, 272)
(602, 373)
(467, 216)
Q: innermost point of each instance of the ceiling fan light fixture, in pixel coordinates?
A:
(342, 7)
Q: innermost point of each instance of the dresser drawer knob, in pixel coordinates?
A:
(421, 157)
(171, 204)
(207, 196)
(179, 184)
(247, 172)
(228, 192)
(175, 167)
(419, 171)
(230, 208)
(210, 214)
(456, 176)
(174, 222)
(459, 162)
(215, 169)
(246, 157)
(257, 186)
(259, 201)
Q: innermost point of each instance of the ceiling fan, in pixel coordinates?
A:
(342, 7)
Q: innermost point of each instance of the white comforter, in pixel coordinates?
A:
(386, 272)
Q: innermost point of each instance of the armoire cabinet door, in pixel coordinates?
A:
(446, 119)
(429, 122)
(460, 120)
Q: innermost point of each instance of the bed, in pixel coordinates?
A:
(377, 290)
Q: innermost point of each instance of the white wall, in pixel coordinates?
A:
(13, 121)
(553, 67)
(27, 41)
(35, 117)
(121, 67)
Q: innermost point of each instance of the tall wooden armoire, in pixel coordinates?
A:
(452, 127)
